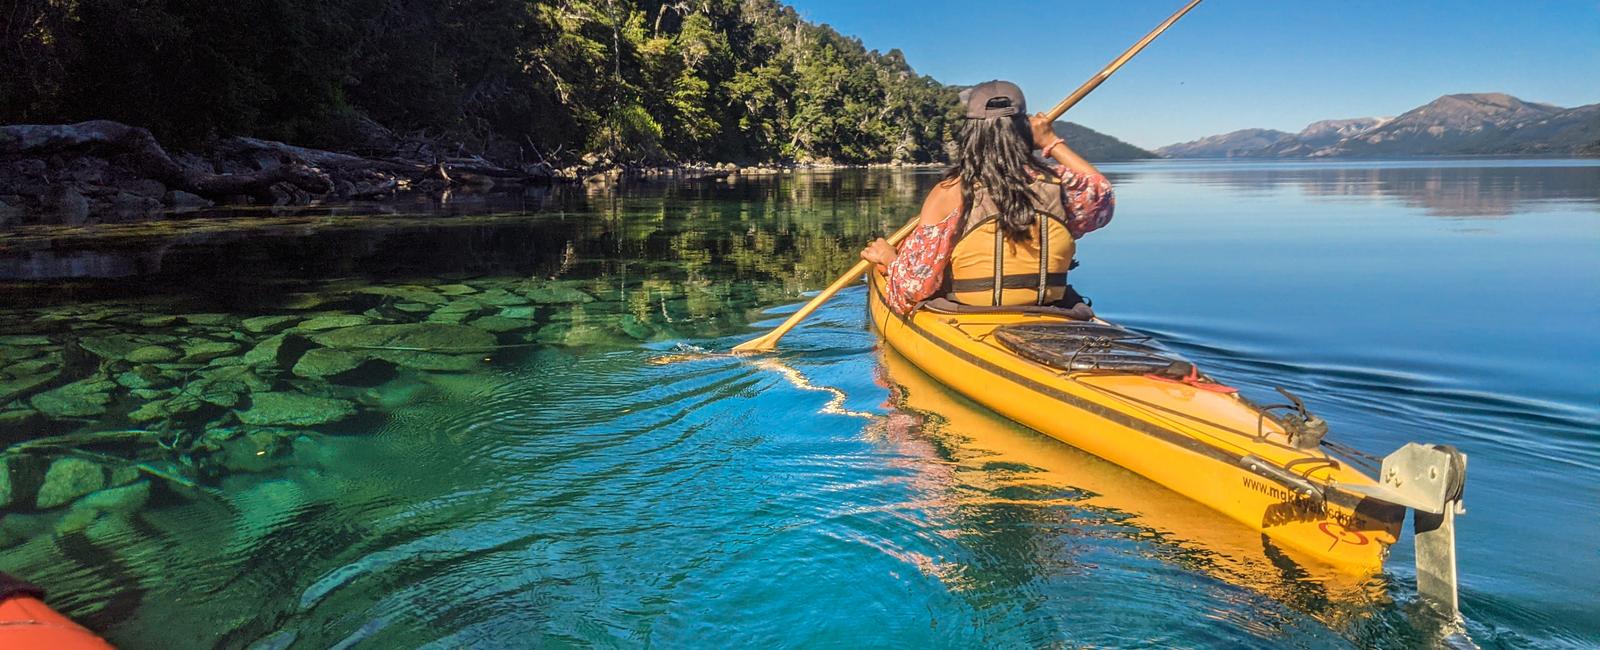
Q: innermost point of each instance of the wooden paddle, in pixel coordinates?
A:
(769, 341)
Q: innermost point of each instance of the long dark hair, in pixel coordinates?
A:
(996, 154)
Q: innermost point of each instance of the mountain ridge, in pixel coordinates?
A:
(1455, 124)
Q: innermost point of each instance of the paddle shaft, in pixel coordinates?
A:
(769, 341)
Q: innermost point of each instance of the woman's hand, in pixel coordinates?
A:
(1043, 131)
(879, 252)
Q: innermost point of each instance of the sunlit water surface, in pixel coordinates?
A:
(594, 482)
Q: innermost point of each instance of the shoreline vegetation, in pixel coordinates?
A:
(436, 93)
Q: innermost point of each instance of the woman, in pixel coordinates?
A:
(1001, 227)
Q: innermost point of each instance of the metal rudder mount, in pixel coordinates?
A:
(1429, 479)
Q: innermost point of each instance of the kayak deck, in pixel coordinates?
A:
(1213, 447)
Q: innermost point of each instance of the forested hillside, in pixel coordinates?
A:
(627, 80)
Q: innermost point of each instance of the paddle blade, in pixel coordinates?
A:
(764, 343)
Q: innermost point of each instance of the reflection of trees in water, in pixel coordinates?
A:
(717, 244)
(1440, 191)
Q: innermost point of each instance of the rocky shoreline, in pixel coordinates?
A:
(103, 171)
(104, 407)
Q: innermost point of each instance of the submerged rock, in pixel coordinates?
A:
(281, 351)
(421, 346)
(68, 479)
(294, 409)
(555, 294)
(11, 389)
(634, 327)
(20, 478)
(501, 298)
(152, 354)
(327, 363)
(332, 321)
(459, 311)
(142, 376)
(206, 320)
(110, 347)
(407, 293)
(238, 373)
(82, 398)
(501, 324)
(127, 498)
(201, 351)
(520, 312)
(455, 289)
(268, 324)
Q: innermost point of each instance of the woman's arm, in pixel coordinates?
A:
(1089, 199)
(916, 270)
(1044, 134)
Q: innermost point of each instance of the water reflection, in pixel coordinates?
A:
(1469, 189)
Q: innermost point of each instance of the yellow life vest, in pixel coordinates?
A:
(988, 269)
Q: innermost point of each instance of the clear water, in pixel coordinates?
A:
(594, 482)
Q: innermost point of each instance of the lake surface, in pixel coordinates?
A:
(484, 423)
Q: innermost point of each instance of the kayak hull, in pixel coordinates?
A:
(26, 623)
(1209, 446)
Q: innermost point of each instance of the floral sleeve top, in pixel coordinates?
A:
(918, 269)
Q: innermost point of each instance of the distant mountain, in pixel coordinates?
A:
(1465, 124)
(1098, 147)
(1227, 145)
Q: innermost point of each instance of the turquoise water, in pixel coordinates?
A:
(583, 478)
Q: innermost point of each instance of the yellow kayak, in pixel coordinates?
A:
(1190, 534)
(1176, 428)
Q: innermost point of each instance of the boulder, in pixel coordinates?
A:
(268, 324)
(68, 479)
(294, 409)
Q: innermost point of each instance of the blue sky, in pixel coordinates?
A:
(1233, 64)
